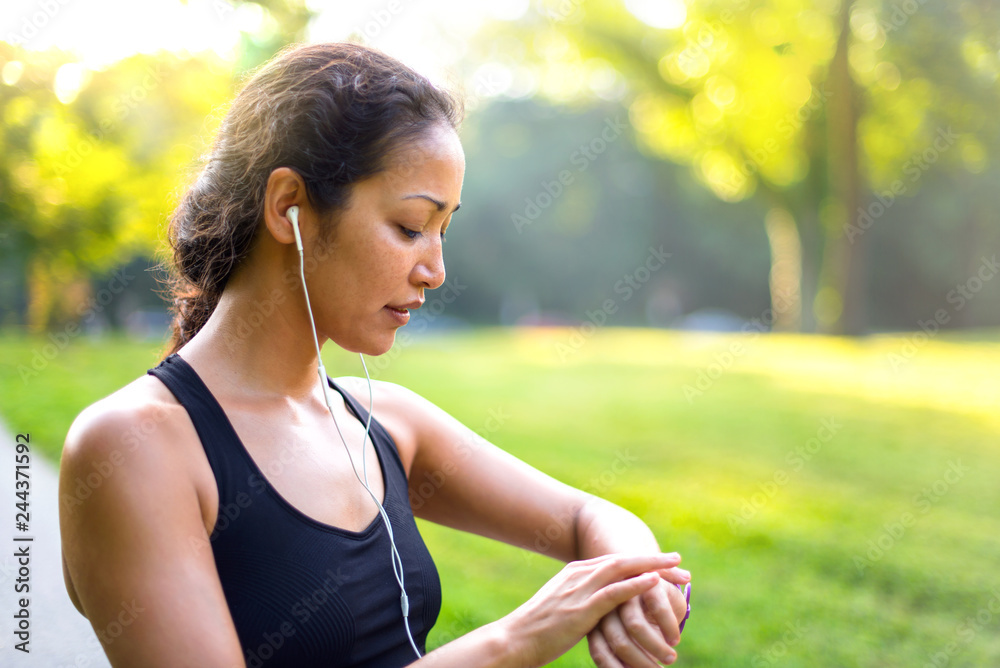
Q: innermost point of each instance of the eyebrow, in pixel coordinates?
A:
(438, 203)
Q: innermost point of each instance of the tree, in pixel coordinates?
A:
(825, 110)
(93, 162)
(90, 165)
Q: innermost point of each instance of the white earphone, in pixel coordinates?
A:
(397, 563)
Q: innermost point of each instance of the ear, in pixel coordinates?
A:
(279, 225)
(284, 190)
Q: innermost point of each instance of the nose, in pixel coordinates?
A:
(429, 271)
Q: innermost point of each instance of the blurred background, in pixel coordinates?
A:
(727, 263)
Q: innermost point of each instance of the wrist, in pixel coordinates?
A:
(605, 528)
(490, 646)
(506, 643)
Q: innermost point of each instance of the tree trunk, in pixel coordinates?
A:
(811, 242)
(786, 270)
(840, 301)
(56, 296)
(41, 296)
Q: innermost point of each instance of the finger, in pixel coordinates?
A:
(623, 646)
(641, 632)
(659, 605)
(601, 652)
(677, 576)
(610, 597)
(629, 565)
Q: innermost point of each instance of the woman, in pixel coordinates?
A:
(230, 519)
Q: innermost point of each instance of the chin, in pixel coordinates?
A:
(370, 346)
(382, 350)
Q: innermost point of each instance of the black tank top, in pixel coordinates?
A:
(303, 593)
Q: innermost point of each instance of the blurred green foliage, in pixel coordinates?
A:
(89, 179)
(864, 215)
(827, 111)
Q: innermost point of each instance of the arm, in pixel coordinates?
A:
(135, 546)
(460, 480)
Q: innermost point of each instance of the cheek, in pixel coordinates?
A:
(377, 266)
(392, 258)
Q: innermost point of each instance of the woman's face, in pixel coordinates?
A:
(387, 246)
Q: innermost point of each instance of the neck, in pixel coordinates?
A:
(258, 340)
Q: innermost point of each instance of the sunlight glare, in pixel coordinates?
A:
(664, 14)
(70, 79)
(103, 33)
(12, 72)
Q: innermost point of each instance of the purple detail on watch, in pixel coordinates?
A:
(686, 590)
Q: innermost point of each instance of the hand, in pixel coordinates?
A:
(569, 605)
(642, 631)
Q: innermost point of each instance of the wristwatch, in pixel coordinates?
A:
(686, 590)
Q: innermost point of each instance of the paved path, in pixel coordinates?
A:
(60, 636)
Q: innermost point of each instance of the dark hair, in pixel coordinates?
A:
(335, 113)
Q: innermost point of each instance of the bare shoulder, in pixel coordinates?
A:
(130, 442)
(397, 408)
(132, 416)
(132, 530)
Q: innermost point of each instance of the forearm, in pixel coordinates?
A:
(486, 647)
(604, 528)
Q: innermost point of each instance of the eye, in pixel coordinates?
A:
(442, 237)
(410, 234)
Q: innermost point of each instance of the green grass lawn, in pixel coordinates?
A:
(836, 500)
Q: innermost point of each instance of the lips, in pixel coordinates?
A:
(409, 305)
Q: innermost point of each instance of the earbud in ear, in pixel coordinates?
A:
(293, 215)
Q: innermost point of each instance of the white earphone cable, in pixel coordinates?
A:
(397, 562)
